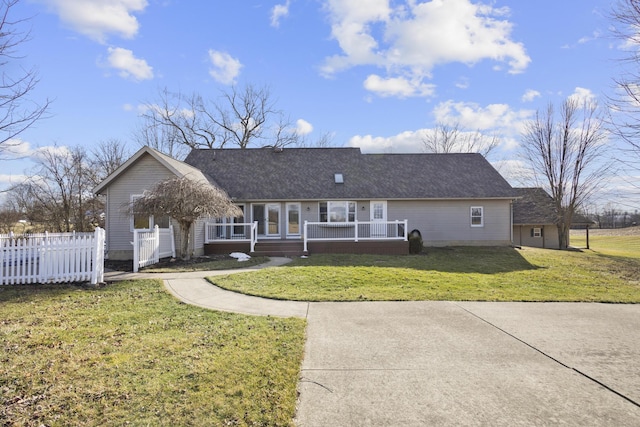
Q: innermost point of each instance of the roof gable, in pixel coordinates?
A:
(178, 168)
(309, 174)
(536, 207)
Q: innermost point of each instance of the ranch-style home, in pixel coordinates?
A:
(313, 200)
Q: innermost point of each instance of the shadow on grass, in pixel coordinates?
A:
(459, 259)
(36, 292)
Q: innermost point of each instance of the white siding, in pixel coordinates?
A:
(448, 222)
(146, 172)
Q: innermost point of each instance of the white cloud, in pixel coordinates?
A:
(493, 120)
(397, 86)
(530, 95)
(13, 179)
(582, 95)
(404, 142)
(278, 12)
(16, 148)
(128, 65)
(463, 83)
(303, 127)
(500, 117)
(516, 172)
(225, 67)
(97, 19)
(410, 40)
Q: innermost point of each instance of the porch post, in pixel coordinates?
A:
(356, 230)
(254, 235)
(305, 236)
(406, 230)
(136, 251)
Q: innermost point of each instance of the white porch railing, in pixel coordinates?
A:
(226, 232)
(151, 245)
(355, 231)
(52, 258)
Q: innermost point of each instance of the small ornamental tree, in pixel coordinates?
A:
(185, 200)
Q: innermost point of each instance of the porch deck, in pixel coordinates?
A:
(293, 248)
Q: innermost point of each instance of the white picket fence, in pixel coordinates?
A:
(149, 245)
(52, 258)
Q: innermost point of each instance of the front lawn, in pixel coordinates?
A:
(131, 354)
(460, 273)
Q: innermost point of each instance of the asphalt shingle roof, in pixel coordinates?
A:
(308, 174)
(534, 207)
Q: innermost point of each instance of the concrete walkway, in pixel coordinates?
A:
(192, 288)
(451, 363)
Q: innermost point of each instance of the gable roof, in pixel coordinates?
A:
(178, 168)
(309, 174)
(535, 206)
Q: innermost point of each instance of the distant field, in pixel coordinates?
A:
(623, 242)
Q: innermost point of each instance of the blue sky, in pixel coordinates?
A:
(372, 73)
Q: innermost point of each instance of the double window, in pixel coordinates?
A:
(337, 211)
(139, 221)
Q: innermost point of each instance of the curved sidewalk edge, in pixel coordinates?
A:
(192, 288)
(201, 293)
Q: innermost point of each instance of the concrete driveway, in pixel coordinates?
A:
(470, 363)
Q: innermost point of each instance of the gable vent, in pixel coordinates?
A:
(338, 178)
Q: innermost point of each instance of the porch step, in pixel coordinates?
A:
(279, 248)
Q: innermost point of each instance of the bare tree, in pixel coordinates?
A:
(9, 217)
(164, 138)
(568, 154)
(106, 157)
(58, 194)
(446, 138)
(625, 104)
(239, 117)
(324, 141)
(17, 111)
(185, 200)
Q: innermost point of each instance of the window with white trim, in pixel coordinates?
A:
(536, 232)
(337, 211)
(477, 216)
(140, 221)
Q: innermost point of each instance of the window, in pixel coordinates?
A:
(293, 219)
(477, 216)
(337, 211)
(536, 232)
(140, 221)
(147, 222)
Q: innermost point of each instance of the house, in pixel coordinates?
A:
(145, 168)
(325, 199)
(535, 219)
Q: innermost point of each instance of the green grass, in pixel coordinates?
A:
(461, 273)
(130, 354)
(612, 245)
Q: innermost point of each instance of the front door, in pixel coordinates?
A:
(268, 217)
(378, 215)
